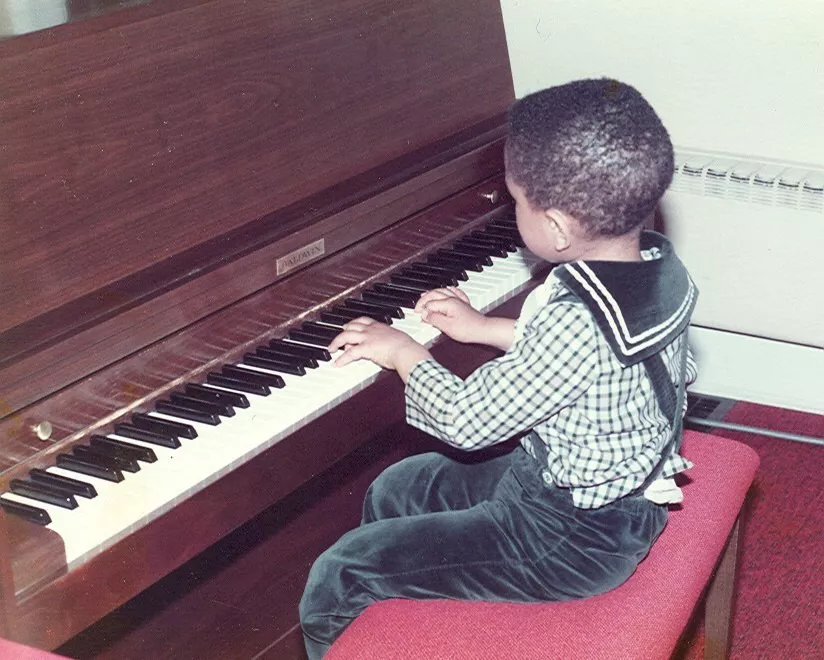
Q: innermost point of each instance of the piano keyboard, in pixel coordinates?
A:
(117, 483)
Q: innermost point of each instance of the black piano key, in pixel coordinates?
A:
(482, 237)
(163, 426)
(366, 308)
(93, 455)
(505, 221)
(75, 464)
(255, 377)
(76, 486)
(273, 365)
(348, 312)
(210, 394)
(215, 407)
(511, 234)
(432, 269)
(444, 258)
(337, 320)
(396, 290)
(117, 447)
(434, 279)
(421, 279)
(31, 513)
(487, 247)
(478, 253)
(300, 351)
(229, 383)
(187, 412)
(285, 358)
(499, 239)
(152, 437)
(396, 297)
(43, 493)
(311, 340)
(509, 224)
(319, 329)
(412, 286)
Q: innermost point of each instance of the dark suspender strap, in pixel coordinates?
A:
(671, 402)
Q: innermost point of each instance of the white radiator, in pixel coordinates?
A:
(751, 232)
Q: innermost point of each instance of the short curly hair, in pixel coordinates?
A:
(594, 149)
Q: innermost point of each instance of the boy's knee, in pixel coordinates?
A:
(319, 593)
(334, 595)
(385, 494)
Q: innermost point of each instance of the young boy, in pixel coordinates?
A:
(591, 373)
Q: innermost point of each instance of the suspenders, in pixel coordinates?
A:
(671, 401)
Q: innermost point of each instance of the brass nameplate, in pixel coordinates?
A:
(300, 256)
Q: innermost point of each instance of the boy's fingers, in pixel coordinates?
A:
(360, 323)
(459, 294)
(349, 355)
(428, 296)
(353, 333)
(349, 337)
(438, 306)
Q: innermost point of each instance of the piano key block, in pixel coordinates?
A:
(178, 429)
(293, 400)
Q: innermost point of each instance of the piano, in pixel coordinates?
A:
(194, 196)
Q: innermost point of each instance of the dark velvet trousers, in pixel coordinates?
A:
(436, 527)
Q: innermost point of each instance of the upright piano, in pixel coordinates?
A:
(194, 196)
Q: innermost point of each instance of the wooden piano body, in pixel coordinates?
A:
(183, 180)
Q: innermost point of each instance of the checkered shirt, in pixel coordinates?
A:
(601, 424)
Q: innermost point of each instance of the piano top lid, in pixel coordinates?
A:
(135, 137)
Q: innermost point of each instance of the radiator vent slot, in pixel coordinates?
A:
(783, 185)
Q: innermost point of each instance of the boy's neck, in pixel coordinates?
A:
(610, 248)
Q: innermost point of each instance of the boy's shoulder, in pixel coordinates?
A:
(640, 306)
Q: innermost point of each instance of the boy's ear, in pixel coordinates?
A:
(560, 229)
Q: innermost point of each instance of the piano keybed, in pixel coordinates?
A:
(117, 481)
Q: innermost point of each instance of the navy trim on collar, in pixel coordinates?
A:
(639, 306)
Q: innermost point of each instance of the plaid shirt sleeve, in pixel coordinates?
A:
(548, 368)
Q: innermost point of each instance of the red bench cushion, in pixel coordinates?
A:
(643, 618)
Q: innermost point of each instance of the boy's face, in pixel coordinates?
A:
(534, 226)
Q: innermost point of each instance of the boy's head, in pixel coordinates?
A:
(592, 149)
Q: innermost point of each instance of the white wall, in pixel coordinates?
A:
(740, 76)
(22, 16)
(744, 79)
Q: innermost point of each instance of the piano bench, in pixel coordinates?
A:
(693, 559)
(16, 651)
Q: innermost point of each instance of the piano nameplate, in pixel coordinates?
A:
(301, 256)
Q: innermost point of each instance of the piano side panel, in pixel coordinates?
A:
(8, 602)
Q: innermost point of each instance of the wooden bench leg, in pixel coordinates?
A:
(719, 601)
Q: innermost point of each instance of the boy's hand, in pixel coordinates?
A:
(450, 311)
(367, 339)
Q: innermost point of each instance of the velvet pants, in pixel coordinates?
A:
(437, 527)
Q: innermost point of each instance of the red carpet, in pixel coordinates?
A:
(779, 612)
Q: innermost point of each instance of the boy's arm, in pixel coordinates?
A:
(498, 332)
(556, 361)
